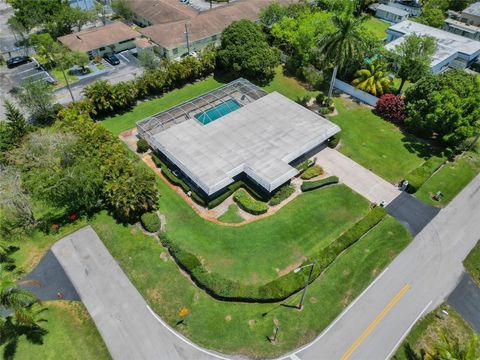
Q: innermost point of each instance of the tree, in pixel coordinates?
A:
(374, 79)
(148, 60)
(271, 14)
(38, 98)
(444, 106)
(123, 9)
(15, 127)
(245, 52)
(341, 44)
(431, 17)
(391, 107)
(412, 58)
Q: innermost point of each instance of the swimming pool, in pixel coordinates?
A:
(217, 112)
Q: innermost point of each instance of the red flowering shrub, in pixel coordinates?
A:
(391, 108)
(73, 217)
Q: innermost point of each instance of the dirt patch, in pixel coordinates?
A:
(133, 230)
(276, 322)
(347, 298)
(312, 300)
(251, 323)
(196, 297)
(375, 271)
(292, 267)
(254, 278)
(154, 295)
(367, 250)
(346, 272)
(228, 318)
(164, 256)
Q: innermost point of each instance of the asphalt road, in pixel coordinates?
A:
(418, 280)
(466, 300)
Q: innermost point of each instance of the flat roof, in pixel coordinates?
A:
(392, 10)
(96, 38)
(260, 139)
(473, 9)
(448, 44)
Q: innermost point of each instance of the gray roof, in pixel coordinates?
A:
(392, 10)
(260, 139)
(473, 9)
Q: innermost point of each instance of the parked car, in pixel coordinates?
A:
(112, 59)
(17, 61)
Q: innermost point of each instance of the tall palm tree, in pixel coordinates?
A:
(341, 44)
(374, 79)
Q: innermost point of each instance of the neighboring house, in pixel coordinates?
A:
(170, 21)
(452, 50)
(83, 4)
(465, 23)
(391, 13)
(110, 38)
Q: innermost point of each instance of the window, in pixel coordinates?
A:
(175, 51)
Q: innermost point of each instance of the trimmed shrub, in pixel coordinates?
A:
(249, 204)
(150, 222)
(333, 141)
(391, 107)
(312, 185)
(282, 194)
(231, 189)
(312, 172)
(417, 177)
(197, 198)
(169, 175)
(142, 146)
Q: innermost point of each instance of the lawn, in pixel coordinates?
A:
(377, 27)
(71, 334)
(377, 144)
(242, 328)
(58, 75)
(451, 179)
(424, 334)
(285, 85)
(472, 263)
(232, 215)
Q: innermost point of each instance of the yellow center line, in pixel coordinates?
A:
(376, 321)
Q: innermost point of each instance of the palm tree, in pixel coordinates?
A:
(373, 80)
(341, 44)
(448, 348)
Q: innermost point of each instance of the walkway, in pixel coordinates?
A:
(130, 330)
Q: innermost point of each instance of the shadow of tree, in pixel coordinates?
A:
(421, 147)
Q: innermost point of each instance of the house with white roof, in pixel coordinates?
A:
(452, 50)
(391, 13)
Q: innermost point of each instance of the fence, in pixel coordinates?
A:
(357, 94)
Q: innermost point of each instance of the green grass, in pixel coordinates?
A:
(57, 74)
(377, 27)
(424, 334)
(240, 327)
(472, 263)
(450, 179)
(288, 86)
(232, 215)
(71, 335)
(377, 144)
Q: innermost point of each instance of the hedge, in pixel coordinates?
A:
(312, 185)
(312, 172)
(231, 189)
(150, 222)
(333, 141)
(417, 177)
(249, 204)
(280, 288)
(282, 194)
(142, 146)
(169, 175)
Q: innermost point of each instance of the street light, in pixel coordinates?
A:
(312, 265)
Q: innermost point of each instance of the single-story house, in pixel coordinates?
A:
(452, 50)
(471, 15)
(98, 41)
(462, 29)
(391, 13)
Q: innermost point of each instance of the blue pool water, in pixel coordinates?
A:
(217, 112)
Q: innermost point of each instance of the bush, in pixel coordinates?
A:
(169, 175)
(391, 107)
(249, 204)
(150, 222)
(142, 146)
(280, 288)
(282, 194)
(417, 177)
(333, 141)
(312, 185)
(312, 172)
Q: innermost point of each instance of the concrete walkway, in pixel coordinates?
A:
(130, 330)
(355, 176)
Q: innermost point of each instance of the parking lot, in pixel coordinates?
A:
(31, 71)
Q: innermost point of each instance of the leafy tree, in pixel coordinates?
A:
(123, 9)
(272, 13)
(46, 48)
(374, 79)
(148, 60)
(341, 44)
(391, 107)
(431, 17)
(412, 58)
(445, 106)
(38, 98)
(245, 52)
(100, 94)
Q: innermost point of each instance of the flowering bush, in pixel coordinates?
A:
(391, 108)
(73, 217)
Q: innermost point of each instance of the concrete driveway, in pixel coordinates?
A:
(356, 177)
(127, 325)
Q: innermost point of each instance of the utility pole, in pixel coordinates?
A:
(186, 38)
(312, 265)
